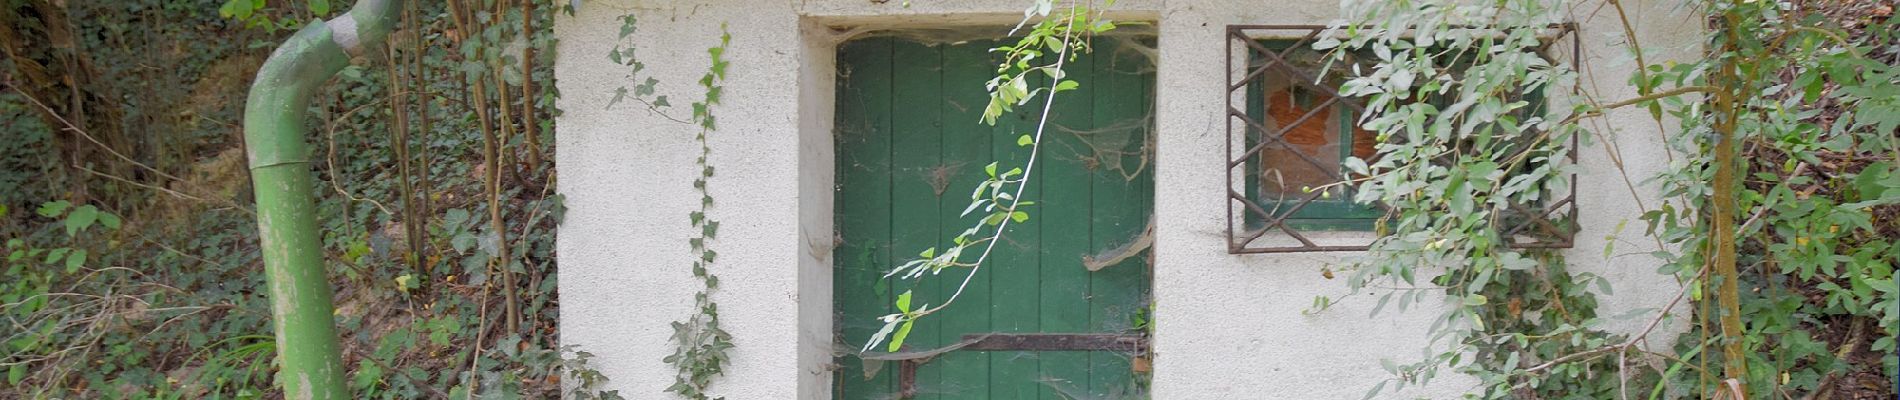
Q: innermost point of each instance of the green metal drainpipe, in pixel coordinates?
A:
(274, 134)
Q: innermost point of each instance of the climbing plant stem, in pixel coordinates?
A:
(1029, 167)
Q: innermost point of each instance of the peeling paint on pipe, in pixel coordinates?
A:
(274, 135)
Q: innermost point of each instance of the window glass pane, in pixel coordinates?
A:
(1303, 136)
(1309, 149)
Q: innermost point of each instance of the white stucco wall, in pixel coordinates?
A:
(1229, 326)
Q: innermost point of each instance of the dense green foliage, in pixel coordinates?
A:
(1815, 123)
(138, 275)
(1801, 301)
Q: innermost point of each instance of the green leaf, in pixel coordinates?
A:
(74, 260)
(53, 209)
(1375, 389)
(1019, 216)
(903, 302)
(105, 219)
(57, 254)
(1025, 140)
(897, 341)
(1066, 86)
(461, 242)
(1476, 300)
(319, 7)
(367, 374)
(990, 169)
(890, 323)
(629, 26)
(16, 374)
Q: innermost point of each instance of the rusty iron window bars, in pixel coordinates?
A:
(1550, 224)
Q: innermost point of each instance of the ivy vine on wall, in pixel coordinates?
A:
(701, 344)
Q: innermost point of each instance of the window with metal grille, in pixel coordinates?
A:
(1289, 131)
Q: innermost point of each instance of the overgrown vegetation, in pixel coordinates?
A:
(1779, 212)
(131, 258)
(132, 266)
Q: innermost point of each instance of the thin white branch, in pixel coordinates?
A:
(1029, 168)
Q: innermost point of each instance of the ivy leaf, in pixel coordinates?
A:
(626, 28)
(367, 374)
(462, 242)
(490, 243)
(454, 218)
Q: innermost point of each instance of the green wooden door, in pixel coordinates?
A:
(910, 150)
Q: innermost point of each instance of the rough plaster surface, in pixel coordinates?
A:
(1228, 326)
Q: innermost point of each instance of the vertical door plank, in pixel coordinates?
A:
(910, 149)
(863, 212)
(1065, 211)
(1016, 270)
(966, 150)
(916, 155)
(1120, 207)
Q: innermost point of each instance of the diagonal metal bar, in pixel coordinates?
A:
(1539, 218)
(1279, 137)
(1279, 134)
(1279, 60)
(1305, 79)
(1536, 215)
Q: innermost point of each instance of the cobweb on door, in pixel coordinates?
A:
(1122, 149)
